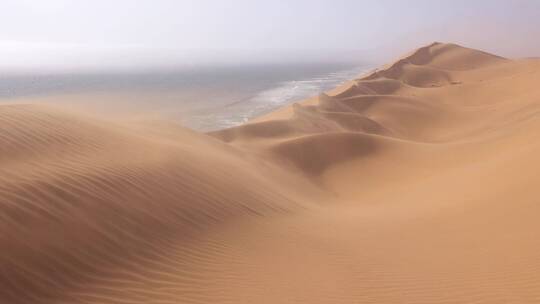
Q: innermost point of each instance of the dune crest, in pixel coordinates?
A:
(416, 183)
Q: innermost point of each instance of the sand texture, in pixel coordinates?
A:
(416, 183)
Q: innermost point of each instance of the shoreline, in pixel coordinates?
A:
(204, 105)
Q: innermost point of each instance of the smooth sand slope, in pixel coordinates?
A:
(417, 183)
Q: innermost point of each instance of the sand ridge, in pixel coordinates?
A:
(416, 183)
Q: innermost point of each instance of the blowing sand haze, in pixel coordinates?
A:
(417, 183)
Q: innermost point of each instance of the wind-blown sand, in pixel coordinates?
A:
(417, 183)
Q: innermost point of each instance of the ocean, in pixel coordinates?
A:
(201, 98)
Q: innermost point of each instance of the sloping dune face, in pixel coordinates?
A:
(91, 205)
(416, 183)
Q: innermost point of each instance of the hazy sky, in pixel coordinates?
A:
(123, 33)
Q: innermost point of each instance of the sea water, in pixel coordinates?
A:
(203, 98)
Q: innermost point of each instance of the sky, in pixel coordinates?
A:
(96, 34)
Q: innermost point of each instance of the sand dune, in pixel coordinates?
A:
(416, 183)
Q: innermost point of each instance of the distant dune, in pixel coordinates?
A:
(416, 183)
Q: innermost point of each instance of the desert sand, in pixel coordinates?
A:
(416, 183)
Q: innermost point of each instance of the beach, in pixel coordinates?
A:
(416, 182)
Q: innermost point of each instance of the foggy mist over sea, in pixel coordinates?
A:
(71, 35)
